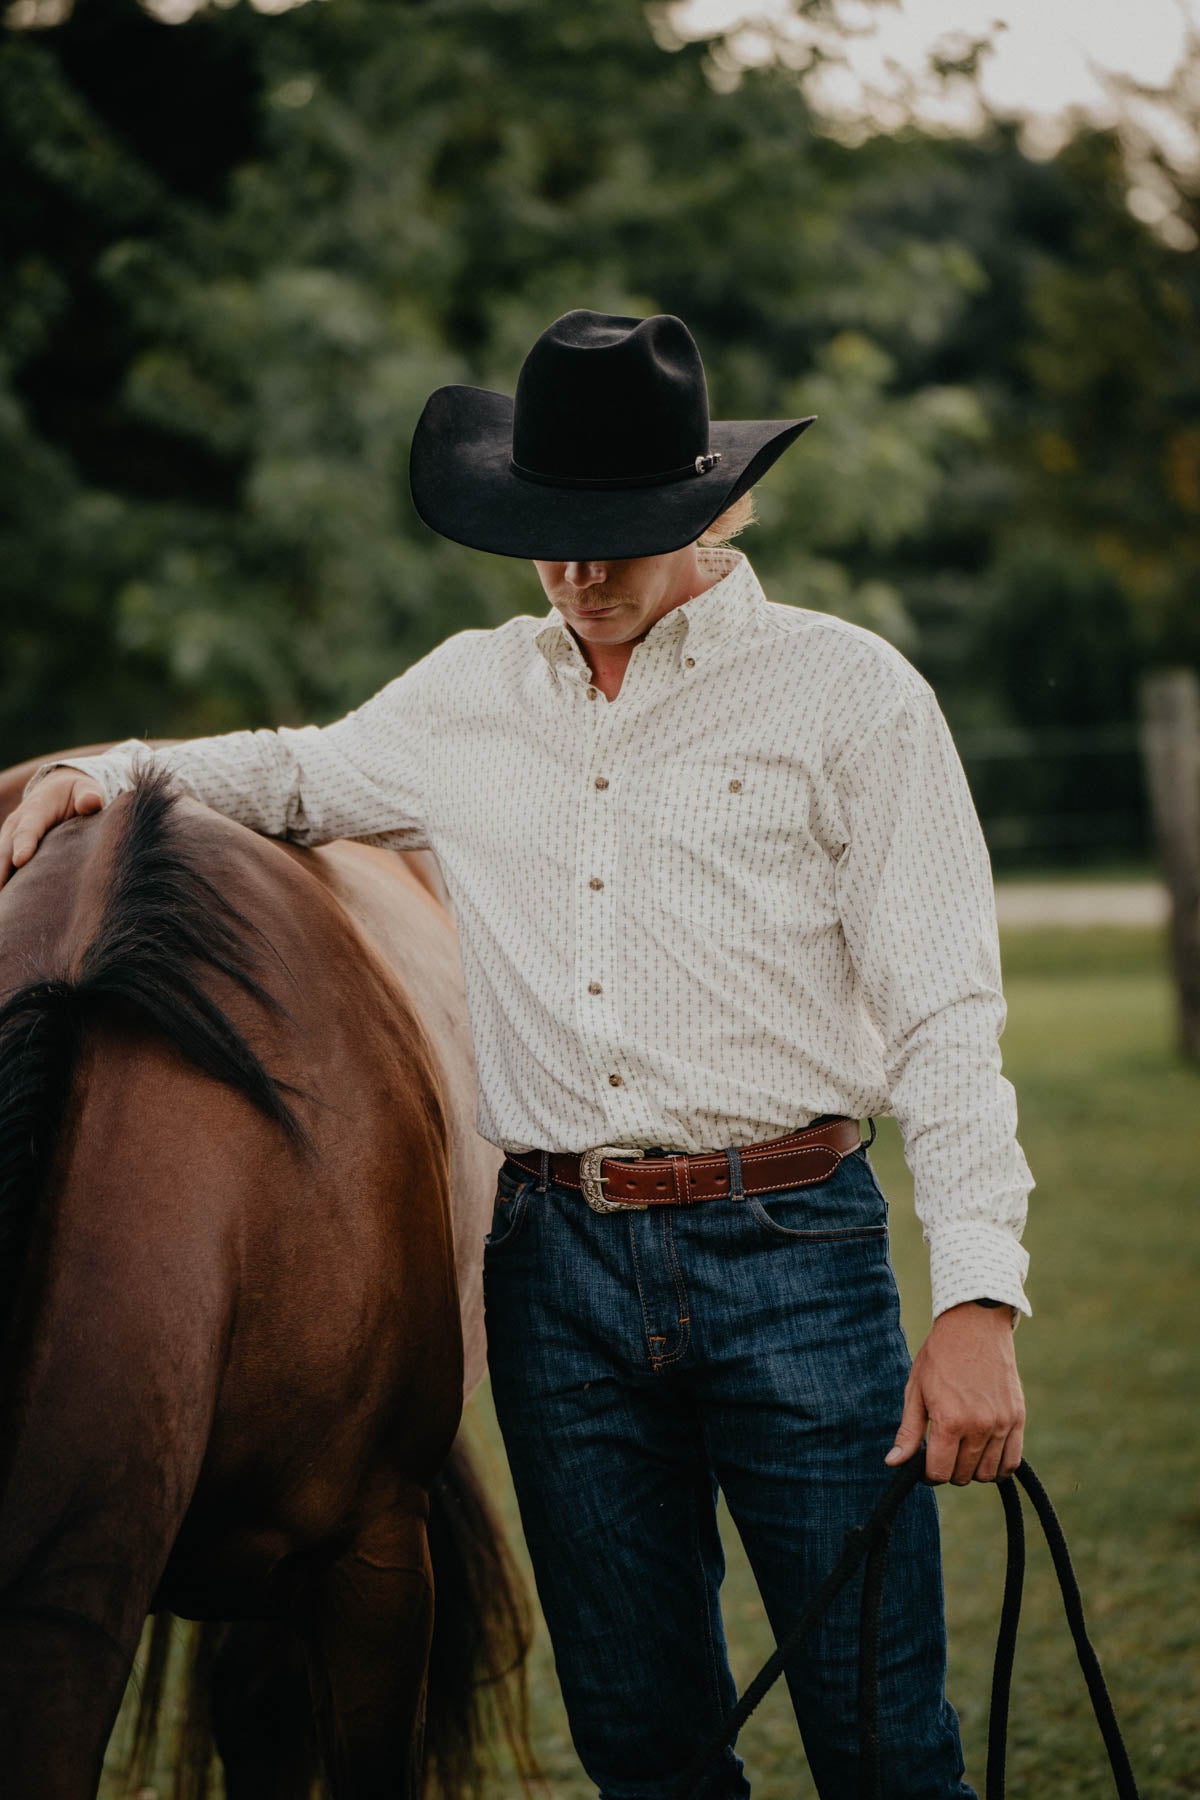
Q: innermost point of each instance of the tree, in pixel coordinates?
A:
(213, 353)
(390, 210)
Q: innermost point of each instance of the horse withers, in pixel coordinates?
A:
(242, 1206)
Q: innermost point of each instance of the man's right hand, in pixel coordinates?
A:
(55, 797)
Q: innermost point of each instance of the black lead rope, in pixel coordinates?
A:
(1089, 1662)
(870, 1545)
(1006, 1638)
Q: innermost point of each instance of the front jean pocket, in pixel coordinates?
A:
(848, 1204)
(508, 1209)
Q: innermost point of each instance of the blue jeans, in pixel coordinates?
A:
(639, 1360)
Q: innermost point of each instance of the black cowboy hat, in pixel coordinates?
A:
(606, 450)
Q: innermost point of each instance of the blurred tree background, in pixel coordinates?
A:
(237, 253)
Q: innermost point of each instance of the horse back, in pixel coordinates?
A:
(399, 920)
(352, 1272)
(368, 965)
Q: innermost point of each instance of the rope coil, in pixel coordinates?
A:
(869, 1544)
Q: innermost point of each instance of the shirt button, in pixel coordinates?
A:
(601, 781)
(615, 1081)
(594, 987)
(735, 787)
(592, 692)
(595, 882)
(689, 662)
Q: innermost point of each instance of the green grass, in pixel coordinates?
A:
(1111, 1365)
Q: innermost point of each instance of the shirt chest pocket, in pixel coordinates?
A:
(718, 842)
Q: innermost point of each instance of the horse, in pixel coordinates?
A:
(242, 1206)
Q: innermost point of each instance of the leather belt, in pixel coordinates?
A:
(613, 1177)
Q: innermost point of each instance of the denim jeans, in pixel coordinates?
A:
(639, 1360)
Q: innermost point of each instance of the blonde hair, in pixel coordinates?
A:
(726, 525)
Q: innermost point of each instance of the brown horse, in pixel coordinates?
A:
(242, 1204)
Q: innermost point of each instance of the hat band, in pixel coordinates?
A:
(700, 466)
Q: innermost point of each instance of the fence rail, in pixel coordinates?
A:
(1074, 790)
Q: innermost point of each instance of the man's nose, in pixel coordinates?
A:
(584, 574)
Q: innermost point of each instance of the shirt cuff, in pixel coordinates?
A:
(86, 765)
(970, 1259)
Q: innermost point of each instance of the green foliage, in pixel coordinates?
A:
(241, 252)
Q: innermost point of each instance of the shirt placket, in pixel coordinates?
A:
(610, 730)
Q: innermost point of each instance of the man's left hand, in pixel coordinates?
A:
(964, 1386)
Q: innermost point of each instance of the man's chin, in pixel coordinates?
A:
(613, 628)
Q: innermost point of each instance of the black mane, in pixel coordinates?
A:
(164, 924)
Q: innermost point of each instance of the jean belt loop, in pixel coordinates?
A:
(544, 1173)
(734, 1158)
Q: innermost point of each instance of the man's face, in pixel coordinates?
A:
(618, 600)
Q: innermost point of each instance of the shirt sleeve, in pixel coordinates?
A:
(918, 910)
(364, 776)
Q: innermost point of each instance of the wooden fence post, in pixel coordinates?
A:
(1170, 738)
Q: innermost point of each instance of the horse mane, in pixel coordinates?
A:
(164, 925)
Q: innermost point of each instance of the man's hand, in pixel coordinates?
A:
(964, 1385)
(55, 797)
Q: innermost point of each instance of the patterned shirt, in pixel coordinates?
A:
(750, 890)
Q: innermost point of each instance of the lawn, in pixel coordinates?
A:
(1110, 1122)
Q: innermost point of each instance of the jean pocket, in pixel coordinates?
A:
(847, 1205)
(508, 1209)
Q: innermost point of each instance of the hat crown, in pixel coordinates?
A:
(604, 397)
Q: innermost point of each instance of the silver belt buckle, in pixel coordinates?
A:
(591, 1180)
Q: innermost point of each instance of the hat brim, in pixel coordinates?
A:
(463, 488)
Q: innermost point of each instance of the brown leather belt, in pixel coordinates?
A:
(608, 1181)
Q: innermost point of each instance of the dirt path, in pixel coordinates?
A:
(1028, 903)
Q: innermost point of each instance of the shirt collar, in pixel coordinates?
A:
(702, 623)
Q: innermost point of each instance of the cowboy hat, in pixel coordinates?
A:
(605, 451)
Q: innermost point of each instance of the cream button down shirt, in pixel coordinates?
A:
(750, 890)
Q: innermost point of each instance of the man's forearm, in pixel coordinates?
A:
(238, 773)
(971, 1180)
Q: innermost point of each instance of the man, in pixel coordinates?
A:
(721, 892)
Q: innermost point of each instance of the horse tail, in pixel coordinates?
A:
(482, 1632)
